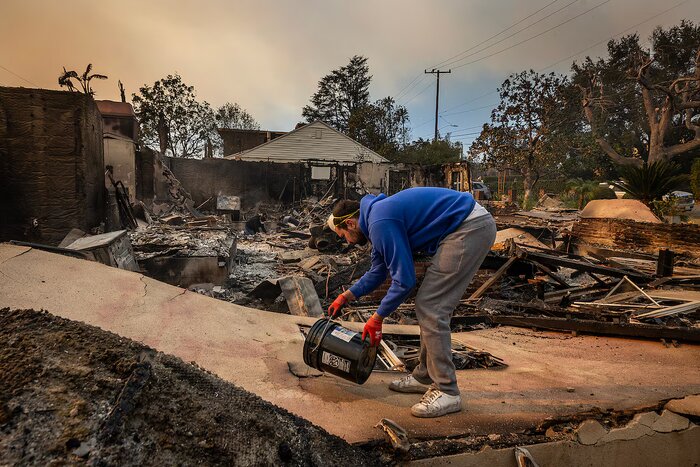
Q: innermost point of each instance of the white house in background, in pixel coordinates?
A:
(316, 142)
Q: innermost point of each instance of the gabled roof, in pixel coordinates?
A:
(316, 141)
(240, 130)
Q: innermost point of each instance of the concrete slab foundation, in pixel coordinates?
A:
(252, 349)
(677, 449)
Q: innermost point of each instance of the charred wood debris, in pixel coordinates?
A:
(285, 259)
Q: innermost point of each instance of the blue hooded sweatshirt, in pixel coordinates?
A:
(411, 221)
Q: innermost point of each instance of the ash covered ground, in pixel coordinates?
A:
(73, 393)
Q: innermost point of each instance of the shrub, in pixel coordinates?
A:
(603, 192)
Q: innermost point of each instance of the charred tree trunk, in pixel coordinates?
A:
(162, 134)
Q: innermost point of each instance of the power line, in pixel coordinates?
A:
(20, 77)
(416, 81)
(469, 127)
(473, 110)
(470, 133)
(463, 140)
(447, 126)
(411, 89)
(450, 61)
(575, 54)
(559, 61)
(409, 86)
(535, 36)
(418, 126)
(470, 101)
(591, 46)
(424, 89)
(446, 120)
(514, 45)
(495, 35)
(613, 36)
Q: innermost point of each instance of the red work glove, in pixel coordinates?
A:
(337, 305)
(373, 328)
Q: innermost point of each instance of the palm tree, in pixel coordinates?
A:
(584, 190)
(84, 79)
(64, 79)
(650, 182)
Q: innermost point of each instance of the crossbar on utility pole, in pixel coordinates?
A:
(437, 95)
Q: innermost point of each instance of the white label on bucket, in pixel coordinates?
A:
(335, 362)
(343, 334)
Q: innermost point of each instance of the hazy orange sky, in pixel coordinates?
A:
(268, 56)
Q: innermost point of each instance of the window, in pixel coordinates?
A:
(320, 173)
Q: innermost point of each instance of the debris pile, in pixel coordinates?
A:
(596, 290)
(159, 239)
(539, 274)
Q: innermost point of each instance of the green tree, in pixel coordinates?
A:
(381, 126)
(429, 152)
(531, 129)
(233, 116)
(171, 118)
(643, 105)
(340, 94)
(84, 80)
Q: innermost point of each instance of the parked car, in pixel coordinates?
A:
(684, 200)
(482, 190)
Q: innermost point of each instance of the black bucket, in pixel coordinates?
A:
(341, 351)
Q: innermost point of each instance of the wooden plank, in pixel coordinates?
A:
(665, 280)
(574, 292)
(650, 331)
(582, 266)
(671, 310)
(551, 274)
(492, 280)
(583, 249)
(395, 363)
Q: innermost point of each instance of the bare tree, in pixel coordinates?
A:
(660, 102)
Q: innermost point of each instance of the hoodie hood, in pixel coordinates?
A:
(365, 208)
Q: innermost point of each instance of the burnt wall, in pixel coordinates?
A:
(253, 182)
(51, 164)
(145, 175)
(622, 234)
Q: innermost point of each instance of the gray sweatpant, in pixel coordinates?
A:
(456, 261)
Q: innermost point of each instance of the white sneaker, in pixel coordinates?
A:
(436, 403)
(408, 384)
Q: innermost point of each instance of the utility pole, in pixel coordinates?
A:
(437, 95)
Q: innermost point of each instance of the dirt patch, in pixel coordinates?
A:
(73, 393)
(619, 209)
